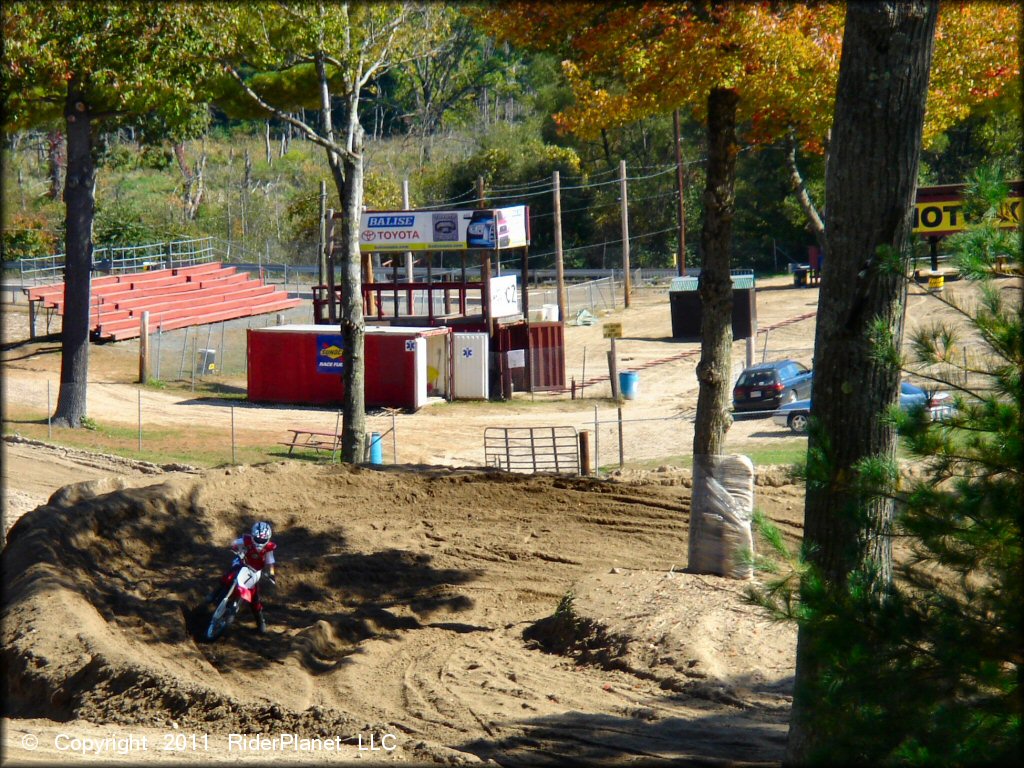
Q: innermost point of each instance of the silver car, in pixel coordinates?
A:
(939, 406)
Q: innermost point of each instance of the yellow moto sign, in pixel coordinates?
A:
(939, 210)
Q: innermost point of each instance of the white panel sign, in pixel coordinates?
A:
(504, 296)
(516, 358)
(481, 228)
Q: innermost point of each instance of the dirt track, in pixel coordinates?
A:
(408, 605)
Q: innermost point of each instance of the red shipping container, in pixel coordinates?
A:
(300, 364)
(547, 354)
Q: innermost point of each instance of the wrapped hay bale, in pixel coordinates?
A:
(721, 508)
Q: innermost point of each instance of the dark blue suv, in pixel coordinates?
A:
(769, 385)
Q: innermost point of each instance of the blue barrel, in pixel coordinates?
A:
(628, 382)
(376, 448)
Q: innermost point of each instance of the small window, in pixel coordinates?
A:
(756, 379)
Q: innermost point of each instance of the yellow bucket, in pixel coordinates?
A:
(936, 282)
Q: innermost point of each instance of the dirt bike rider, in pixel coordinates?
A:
(256, 550)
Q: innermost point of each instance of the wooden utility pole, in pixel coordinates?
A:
(408, 254)
(626, 282)
(332, 299)
(524, 276)
(322, 244)
(479, 191)
(559, 267)
(485, 290)
(681, 189)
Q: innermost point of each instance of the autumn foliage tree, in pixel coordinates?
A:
(92, 65)
(728, 63)
(629, 60)
(771, 67)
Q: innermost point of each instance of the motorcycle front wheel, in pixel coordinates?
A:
(221, 619)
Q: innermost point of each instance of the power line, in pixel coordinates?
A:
(667, 169)
(597, 245)
(525, 185)
(609, 204)
(545, 185)
(443, 203)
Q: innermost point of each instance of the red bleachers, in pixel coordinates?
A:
(174, 298)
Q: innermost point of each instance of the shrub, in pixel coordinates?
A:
(27, 236)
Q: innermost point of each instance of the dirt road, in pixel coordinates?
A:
(657, 423)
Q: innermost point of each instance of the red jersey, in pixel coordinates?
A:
(245, 548)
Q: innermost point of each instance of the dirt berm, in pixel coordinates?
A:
(470, 615)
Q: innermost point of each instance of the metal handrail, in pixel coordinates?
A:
(123, 259)
(41, 269)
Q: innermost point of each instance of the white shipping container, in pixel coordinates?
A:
(471, 368)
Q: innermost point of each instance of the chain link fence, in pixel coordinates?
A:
(210, 351)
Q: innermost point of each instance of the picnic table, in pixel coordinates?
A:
(318, 441)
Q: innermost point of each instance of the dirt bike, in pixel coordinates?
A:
(241, 590)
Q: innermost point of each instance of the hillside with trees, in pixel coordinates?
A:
(254, 183)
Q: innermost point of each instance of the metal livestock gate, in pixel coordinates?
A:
(533, 449)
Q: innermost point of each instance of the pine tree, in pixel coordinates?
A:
(929, 675)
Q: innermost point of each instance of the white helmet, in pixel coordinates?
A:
(261, 535)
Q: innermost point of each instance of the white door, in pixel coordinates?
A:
(470, 369)
(420, 350)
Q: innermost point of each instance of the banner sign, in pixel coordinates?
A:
(330, 353)
(504, 296)
(476, 229)
(939, 210)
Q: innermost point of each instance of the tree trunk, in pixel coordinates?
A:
(347, 172)
(55, 142)
(196, 189)
(80, 204)
(246, 182)
(714, 371)
(179, 155)
(186, 175)
(870, 187)
(353, 327)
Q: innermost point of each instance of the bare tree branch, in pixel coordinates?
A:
(308, 132)
(803, 196)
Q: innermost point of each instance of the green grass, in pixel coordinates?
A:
(166, 445)
(788, 452)
(204, 388)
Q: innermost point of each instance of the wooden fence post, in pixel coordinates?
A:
(584, 437)
(627, 287)
(144, 348)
